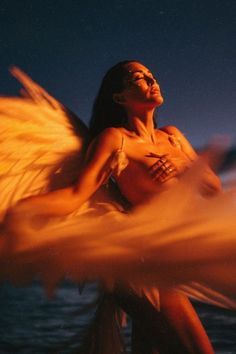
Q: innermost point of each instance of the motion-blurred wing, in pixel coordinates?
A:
(41, 143)
(178, 239)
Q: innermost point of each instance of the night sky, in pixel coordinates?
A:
(67, 46)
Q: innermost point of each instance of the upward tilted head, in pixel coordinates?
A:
(126, 84)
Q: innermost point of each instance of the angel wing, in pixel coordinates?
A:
(41, 144)
(176, 239)
(194, 242)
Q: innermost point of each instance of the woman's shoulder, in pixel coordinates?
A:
(171, 130)
(178, 138)
(109, 138)
(173, 134)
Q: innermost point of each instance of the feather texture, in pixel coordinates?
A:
(40, 148)
(178, 239)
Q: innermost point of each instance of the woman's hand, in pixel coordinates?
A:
(14, 228)
(164, 168)
(23, 221)
(24, 213)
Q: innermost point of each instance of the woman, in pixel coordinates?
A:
(127, 147)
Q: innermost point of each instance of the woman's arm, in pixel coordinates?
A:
(211, 182)
(64, 201)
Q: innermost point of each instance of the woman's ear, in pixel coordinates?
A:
(118, 98)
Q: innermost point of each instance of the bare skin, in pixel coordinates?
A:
(146, 149)
(157, 166)
(140, 102)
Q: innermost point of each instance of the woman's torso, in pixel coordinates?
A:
(136, 181)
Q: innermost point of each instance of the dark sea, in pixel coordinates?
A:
(33, 324)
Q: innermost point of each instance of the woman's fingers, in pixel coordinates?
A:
(165, 175)
(161, 166)
(162, 169)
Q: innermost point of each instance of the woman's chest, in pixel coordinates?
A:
(144, 154)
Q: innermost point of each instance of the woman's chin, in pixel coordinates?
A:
(159, 101)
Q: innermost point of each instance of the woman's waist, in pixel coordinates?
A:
(143, 191)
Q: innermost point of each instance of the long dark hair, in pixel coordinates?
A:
(106, 112)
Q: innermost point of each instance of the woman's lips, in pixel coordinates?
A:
(155, 91)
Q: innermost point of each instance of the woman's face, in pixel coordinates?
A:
(141, 87)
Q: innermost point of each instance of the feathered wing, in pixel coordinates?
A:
(191, 246)
(41, 143)
(177, 240)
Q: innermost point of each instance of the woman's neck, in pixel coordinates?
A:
(142, 124)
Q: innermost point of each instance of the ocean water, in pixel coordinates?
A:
(33, 324)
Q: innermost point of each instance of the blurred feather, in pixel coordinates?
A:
(178, 239)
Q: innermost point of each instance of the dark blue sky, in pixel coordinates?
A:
(67, 46)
